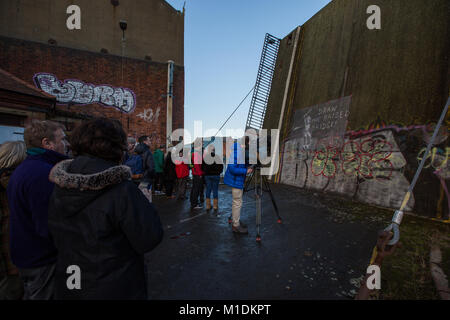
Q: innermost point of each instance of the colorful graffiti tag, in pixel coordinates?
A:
(368, 168)
(368, 159)
(369, 165)
(436, 159)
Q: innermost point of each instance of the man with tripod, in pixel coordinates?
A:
(237, 170)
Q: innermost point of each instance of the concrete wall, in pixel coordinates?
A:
(155, 29)
(146, 80)
(398, 80)
(403, 66)
(279, 81)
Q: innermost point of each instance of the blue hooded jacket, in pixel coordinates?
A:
(236, 169)
(29, 191)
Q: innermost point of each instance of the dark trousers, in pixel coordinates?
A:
(169, 187)
(181, 188)
(38, 283)
(159, 181)
(197, 190)
(11, 287)
(202, 190)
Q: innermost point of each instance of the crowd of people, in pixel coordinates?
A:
(93, 211)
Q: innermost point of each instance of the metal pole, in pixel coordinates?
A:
(273, 162)
(169, 102)
(258, 194)
(398, 215)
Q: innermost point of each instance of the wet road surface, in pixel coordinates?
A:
(308, 256)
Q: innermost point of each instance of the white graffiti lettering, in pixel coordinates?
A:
(78, 92)
(149, 116)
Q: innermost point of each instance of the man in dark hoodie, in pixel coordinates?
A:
(169, 174)
(101, 222)
(29, 190)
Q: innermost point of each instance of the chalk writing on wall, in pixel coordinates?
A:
(320, 122)
(149, 116)
(77, 92)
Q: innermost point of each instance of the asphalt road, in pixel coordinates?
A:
(311, 255)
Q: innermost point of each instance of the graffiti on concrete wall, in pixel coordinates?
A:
(367, 158)
(370, 164)
(425, 129)
(150, 116)
(77, 92)
(368, 168)
(437, 161)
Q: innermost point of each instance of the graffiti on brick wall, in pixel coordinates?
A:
(368, 168)
(77, 92)
(150, 116)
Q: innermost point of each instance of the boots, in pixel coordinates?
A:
(240, 229)
(208, 204)
(216, 204)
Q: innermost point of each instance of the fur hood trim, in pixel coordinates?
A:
(95, 181)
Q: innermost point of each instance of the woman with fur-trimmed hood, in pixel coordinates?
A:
(102, 224)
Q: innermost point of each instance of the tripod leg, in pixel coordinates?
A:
(266, 184)
(258, 218)
(248, 181)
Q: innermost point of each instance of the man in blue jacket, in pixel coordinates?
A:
(143, 149)
(237, 170)
(29, 191)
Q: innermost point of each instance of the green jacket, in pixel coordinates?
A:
(158, 157)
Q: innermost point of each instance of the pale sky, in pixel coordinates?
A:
(223, 43)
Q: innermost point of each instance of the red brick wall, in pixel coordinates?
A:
(148, 81)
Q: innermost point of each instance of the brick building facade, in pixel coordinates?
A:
(145, 79)
(88, 83)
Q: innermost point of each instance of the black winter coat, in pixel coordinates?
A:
(102, 223)
(213, 169)
(170, 173)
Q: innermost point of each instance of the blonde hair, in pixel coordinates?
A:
(12, 153)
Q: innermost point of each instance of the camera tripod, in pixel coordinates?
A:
(260, 185)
